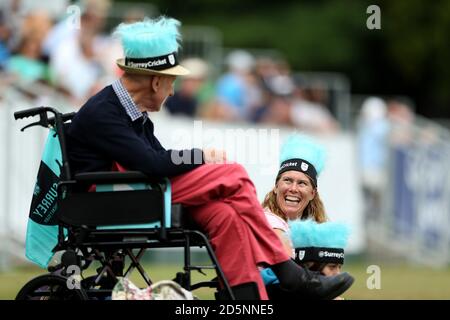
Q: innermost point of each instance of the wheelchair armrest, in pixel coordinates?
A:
(115, 177)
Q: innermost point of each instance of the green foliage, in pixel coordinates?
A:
(416, 38)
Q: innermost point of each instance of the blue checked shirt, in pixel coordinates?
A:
(125, 99)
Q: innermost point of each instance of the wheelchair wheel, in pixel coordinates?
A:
(50, 287)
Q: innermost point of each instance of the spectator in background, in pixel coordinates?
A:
(185, 100)
(14, 12)
(27, 63)
(402, 116)
(309, 111)
(236, 90)
(399, 111)
(75, 57)
(277, 110)
(373, 134)
(278, 86)
(265, 68)
(4, 36)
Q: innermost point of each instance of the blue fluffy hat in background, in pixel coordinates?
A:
(319, 242)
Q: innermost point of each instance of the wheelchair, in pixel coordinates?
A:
(112, 229)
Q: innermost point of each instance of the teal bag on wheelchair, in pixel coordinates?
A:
(42, 228)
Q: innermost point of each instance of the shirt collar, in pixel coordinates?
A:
(125, 100)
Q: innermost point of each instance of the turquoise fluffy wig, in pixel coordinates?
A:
(309, 233)
(314, 242)
(149, 38)
(319, 242)
(301, 153)
(300, 146)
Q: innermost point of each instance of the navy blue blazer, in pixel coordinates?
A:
(102, 132)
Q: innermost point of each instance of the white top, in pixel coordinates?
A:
(278, 223)
(275, 221)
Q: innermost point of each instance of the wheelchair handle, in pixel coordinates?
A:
(35, 111)
(44, 121)
(28, 113)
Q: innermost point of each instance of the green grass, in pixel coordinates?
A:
(397, 281)
(12, 281)
(400, 282)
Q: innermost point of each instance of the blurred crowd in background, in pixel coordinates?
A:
(75, 55)
(72, 55)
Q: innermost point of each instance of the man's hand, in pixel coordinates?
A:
(214, 156)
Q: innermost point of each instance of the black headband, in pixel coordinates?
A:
(299, 165)
(321, 255)
(153, 63)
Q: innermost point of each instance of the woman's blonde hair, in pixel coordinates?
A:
(315, 208)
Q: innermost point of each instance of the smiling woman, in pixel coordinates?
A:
(294, 201)
(294, 190)
(295, 194)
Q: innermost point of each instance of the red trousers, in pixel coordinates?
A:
(223, 202)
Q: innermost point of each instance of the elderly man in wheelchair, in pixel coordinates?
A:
(119, 190)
